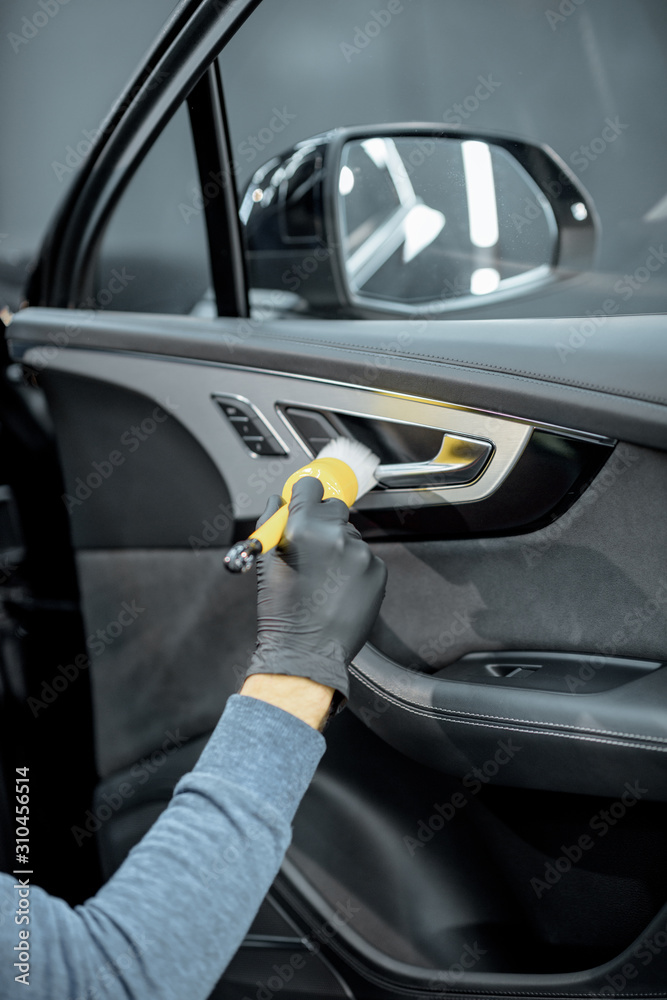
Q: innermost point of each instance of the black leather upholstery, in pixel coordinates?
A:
(588, 743)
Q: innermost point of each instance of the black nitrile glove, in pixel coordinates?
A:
(318, 593)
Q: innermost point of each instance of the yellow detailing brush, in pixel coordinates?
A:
(346, 469)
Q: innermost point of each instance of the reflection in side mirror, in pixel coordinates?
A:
(449, 228)
(410, 220)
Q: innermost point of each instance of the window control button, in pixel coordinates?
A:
(263, 445)
(231, 410)
(244, 426)
(249, 428)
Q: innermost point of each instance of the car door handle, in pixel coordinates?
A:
(460, 460)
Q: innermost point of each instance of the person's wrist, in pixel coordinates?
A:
(324, 663)
(300, 696)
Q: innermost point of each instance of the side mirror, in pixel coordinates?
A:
(412, 220)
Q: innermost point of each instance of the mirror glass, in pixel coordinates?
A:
(427, 221)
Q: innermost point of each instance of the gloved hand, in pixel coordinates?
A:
(318, 593)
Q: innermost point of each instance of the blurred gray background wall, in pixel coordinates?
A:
(54, 86)
(558, 78)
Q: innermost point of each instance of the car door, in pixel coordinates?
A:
(489, 818)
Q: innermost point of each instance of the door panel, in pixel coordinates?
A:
(589, 581)
(136, 428)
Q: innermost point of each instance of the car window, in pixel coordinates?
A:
(52, 116)
(560, 76)
(154, 255)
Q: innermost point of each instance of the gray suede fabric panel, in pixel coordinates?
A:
(179, 658)
(593, 581)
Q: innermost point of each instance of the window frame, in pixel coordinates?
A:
(212, 144)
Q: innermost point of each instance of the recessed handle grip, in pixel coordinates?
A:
(460, 460)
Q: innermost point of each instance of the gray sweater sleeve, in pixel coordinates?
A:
(168, 922)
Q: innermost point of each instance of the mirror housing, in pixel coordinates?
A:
(411, 220)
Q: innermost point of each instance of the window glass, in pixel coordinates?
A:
(154, 256)
(562, 77)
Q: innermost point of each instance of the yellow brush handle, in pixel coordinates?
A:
(338, 480)
(272, 530)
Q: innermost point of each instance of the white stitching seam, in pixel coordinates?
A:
(444, 714)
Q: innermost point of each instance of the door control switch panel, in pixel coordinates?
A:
(250, 426)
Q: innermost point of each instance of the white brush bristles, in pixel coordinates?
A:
(361, 460)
